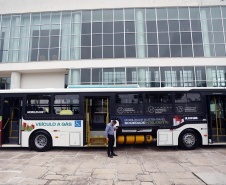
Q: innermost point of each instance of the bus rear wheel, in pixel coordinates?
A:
(41, 141)
(188, 140)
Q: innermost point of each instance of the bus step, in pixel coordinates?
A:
(14, 133)
(97, 145)
(13, 140)
(222, 138)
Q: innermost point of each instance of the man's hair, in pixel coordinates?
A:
(114, 121)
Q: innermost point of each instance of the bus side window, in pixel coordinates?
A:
(66, 104)
(193, 97)
(38, 104)
(180, 98)
(129, 98)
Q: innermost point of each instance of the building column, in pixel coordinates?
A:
(15, 80)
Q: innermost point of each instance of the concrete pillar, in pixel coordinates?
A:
(15, 80)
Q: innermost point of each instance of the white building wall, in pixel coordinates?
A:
(23, 6)
(42, 80)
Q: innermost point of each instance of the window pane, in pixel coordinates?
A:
(130, 38)
(108, 15)
(184, 25)
(163, 38)
(108, 39)
(187, 51)
(180, 98)
(96, 76)
(193, 97)
(53, 54)
(6, 20)
(45, 18)
(43, 55)
(86, 28)
(164, 51)
(97, 15)
(108, 75)
(97, 52)
(174, 38)
(150, 14)
(35, 18)
(152, 38)
(151, 26)
(196, 25)
(200, 76)
(118, 15)
(205, 13)
(85, 53)
(86, 40)
(97, 27)
(162, 26)
(128, 98)
(189, 76)
(129, 26)
(55, 18)
(119, 39)
(177, 77)
(166, 76)
(108, 27)
(185, 38)
(218, 37)
(97, 40)
(85, 76)
(194, 13)
(131, 75)
(183, 13)
(119, 51)
(161, 13)
(217, 25)
(154, 77)
(130, 51)
(152, 51)
(44, 42)
(197, 37)
(220, 49)
(86, 16)
(108, 52)
(175, 50)
(172, 13)
(173, 26)
(119, 75)
(198, 50)
(66, 17)
(118, 27)
(129, 14)
(216, 12)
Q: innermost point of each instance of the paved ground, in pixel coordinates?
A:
(136, 164)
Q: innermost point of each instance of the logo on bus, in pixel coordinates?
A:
(78, 123)
(120, 110)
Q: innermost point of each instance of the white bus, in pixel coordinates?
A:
(41, 119)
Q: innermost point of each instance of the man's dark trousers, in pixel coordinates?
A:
(110, 144)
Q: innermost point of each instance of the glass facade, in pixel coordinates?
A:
(205, 76)
(5, 83)
(114, 33)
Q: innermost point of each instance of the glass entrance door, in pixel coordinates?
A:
(217, 124)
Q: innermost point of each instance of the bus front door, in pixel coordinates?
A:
(11, 121)
(217, 117)
(97, 116)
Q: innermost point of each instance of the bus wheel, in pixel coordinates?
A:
(188, 140)
(41, 141)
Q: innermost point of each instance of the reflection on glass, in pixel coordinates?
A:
(120, 76)
(166, 80)
(154, 77)
(177, 77)
(211, 77)
(131, 75)
(189, 76)
(85, 76)
(108, 76)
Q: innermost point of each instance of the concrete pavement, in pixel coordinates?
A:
(135, 165)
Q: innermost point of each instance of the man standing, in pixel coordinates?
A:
(109, 133)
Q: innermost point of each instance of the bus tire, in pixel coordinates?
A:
(188, 140)
(41, 141)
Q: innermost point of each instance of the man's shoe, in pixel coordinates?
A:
(114, 154)
(110, 156)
